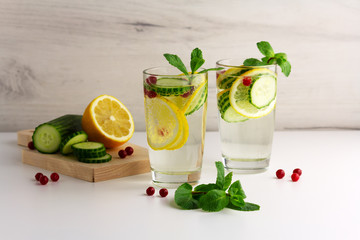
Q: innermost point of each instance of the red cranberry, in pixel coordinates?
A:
(150, 191)
(129, 150)
(151, 80)
(219, 73)
(247, 81)
(151, 94)
(44, 180)
(280, 173)
(185, 95)
(54, 177)
(31, 145)
(298, 171)
(38, 176)
(295, 177)
(163, 192)
(122, 153)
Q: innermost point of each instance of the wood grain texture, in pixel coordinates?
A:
(137, 163)
(56, 56)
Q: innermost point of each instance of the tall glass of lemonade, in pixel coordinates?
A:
(175, 114)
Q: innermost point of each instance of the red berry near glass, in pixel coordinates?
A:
(151, 80)
(44, 180)
(151, 94)
(163, 192)
(31, 145)
(295, 177)
(129, 150)
(280, 173)
(298, 171)
(150, 191)
(247, 81)
(38, 176)
(122, 153)
(54, 177)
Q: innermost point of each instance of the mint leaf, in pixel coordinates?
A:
(268, 60)
(236, 189)
(220, 179)
(228, 179)
(253, 62)
(284, 65)
(205, 187)
(175, 61)
(184, 198)
(195, 64)
(237, 200)
(211, 69)
(214, 201)
(281, 55)
(265, 48)
(246, 207)
(196, 53)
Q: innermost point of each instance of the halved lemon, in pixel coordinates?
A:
(108, 121)
(240, 94)
(164, 123)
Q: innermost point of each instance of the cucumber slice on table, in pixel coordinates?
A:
(48, 136)
(170, 86)
(106, 158)
(76, 137)
(227, 112)
(263, 91)
(89, 150)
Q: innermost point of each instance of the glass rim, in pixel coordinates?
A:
(238, 66)
(148, 72)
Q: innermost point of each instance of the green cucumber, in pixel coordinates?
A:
(229, 79)
(198, 101)
(76, 137)
(262, 90)
(106, 158)
(89, 150)
(170, 86)
(48, 136)
(227, 112)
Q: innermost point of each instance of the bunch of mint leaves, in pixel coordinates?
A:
(270, 58)
(213, 197)
(196, 62)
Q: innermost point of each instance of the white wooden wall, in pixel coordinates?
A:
(56, 56)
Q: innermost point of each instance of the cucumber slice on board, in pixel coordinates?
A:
(227, 112)
(106, 158)
(170, 86)
(89, 150)
(263, 91)
(76, 137)
(48, 136)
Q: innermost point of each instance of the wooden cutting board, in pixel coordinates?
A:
(68, 165)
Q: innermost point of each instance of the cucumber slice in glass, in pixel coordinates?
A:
(262, 91)
(170, 86)
(227, 112)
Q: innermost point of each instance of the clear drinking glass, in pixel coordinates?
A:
(246, 98)
(175, 114)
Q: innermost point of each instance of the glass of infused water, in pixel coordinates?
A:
(246, 99)
(175, 115)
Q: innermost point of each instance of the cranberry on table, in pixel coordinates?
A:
(163, 192)
(150, 191)
(129, 150)
(38, 176)
(280, 173)
(247, 81)
(54, 177)
(31, 145)
(44, 180)
(295, 177)
(122, 153)
(298, 171)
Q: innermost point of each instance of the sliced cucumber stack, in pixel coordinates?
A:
(48, 136)
(227, 112)
(106, 158)
(89, 150)
(76, 137)
(170, 86)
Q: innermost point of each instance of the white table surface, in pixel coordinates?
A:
(323, 204)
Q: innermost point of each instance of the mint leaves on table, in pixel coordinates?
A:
(196, 62)
(270, 58)
(213, 197)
